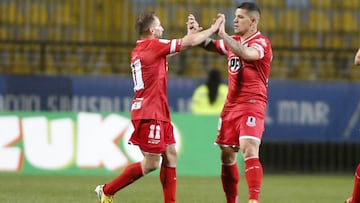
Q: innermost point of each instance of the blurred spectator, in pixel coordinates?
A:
(209, 98)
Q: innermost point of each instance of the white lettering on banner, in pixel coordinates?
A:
(303, 112)
(56, 144)
(20, 102)
(10, 157)
(97, 141)
(2, 105)
(84, 103)
(48, 148)
(59, 103)
(32, 102)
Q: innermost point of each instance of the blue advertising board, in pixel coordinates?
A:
(297, 110)
(313, 111)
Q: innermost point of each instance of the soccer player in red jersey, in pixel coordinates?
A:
(241, 122)
(150, 114)
(355, 198)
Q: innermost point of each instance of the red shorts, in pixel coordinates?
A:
(152, 136)
(237, 125)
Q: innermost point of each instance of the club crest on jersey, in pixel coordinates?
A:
(251, 121)
(234, 64)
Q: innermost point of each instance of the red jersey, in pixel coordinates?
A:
(248, 80)
(149, 71)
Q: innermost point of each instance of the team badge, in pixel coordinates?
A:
(251, 121)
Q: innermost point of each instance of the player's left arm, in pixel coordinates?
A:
(247, 53)
(244, 52)
(357, 58)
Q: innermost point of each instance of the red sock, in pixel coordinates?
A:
(356, 191)
(168, 181)
(131, 173)
(230, 177)
(253, 174)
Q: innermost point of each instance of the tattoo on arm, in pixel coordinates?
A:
(234, 46)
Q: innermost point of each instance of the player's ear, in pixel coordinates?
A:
(254, 21)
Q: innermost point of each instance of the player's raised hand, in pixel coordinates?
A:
(192, 25)
(221, 30)
(218, 21)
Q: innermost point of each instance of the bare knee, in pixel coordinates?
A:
(170, 156)
(249, 148)
(228, 155)
(150, 163)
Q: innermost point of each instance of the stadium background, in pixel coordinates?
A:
(56, 44)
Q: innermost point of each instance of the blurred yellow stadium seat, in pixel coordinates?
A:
(3, 13)
(50, 67)
(43, 16)
(207, 16)
(268, 21)
(180, 16)
(355, 73)
(289, 20)
(345, 21)
(271, 3)
(318, 21)
(65, 13)
(321, 3)
(278, 69)
(164, 17)
(11, 12)
(20, 63)
(3, 33)
(101, 63)
(327, 70)
(304, 69)
(355, 42)
(308, 41)
(333, 41)
(73, 66)
(194, 67)
(349, 4)
(326, 24)
(282, 39)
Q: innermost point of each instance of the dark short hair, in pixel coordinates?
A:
(143, 22)
(250, 6)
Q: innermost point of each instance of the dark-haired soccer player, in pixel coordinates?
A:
(150, 114)
(241, 122)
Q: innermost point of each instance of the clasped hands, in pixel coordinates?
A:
(218, 26)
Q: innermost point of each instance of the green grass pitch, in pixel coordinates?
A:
(79, 189)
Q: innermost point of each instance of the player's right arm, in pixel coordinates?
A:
(193, 27)
(357, 58)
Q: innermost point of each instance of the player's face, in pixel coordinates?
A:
(242, 21)
(158, 29)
